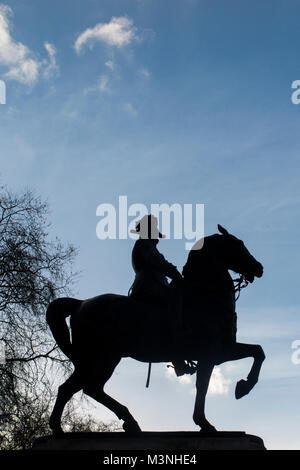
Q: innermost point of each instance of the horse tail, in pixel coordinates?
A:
(56, 315)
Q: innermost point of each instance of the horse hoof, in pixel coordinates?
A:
(208, 429)
(131, 427)
(57, 432)
(242, 388)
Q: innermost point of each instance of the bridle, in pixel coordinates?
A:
(240, 283)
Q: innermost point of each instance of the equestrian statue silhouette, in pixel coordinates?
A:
(190, 322)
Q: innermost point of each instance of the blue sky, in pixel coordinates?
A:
(183, 101)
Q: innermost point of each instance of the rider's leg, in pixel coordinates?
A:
(174, 309)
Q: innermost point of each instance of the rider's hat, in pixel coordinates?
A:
(147, 227)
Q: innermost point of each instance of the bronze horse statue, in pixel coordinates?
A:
(108, 327)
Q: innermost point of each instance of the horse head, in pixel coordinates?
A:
(237, 258)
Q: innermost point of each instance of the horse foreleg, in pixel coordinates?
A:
(65, 392)
(204, 371)
(241, 351)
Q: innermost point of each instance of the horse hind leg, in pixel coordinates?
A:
(130, 425)
(65, 392)
(94, 388)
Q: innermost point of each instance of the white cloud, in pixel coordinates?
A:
(218, 385)
(51, 67)
(25, 71)
(118, 32)
(22, 65)
(184, 379)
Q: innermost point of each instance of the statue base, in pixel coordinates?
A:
(165, 441)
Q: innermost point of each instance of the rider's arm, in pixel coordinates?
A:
(157, 261)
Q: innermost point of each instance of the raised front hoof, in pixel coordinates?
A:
(242, 388)
(131, 427)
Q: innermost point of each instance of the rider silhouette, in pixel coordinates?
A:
(151, 272)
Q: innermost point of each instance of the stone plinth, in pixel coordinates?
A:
(173, 441)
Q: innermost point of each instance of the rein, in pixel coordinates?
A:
(241, 283)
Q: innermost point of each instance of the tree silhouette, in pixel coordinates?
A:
(33, 271)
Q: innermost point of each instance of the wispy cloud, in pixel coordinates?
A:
(115, 34)
(130, 109)
(119, 32)
(275, 323)
(103, 83)
(218, 385)
(110, 64)
(21, 62)
(51, 67)
(144, 72)
(102, 86)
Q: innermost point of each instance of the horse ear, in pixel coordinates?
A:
(222, 230)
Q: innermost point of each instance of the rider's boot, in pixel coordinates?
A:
(181, 368)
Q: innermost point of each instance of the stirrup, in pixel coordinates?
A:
(192, 367)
